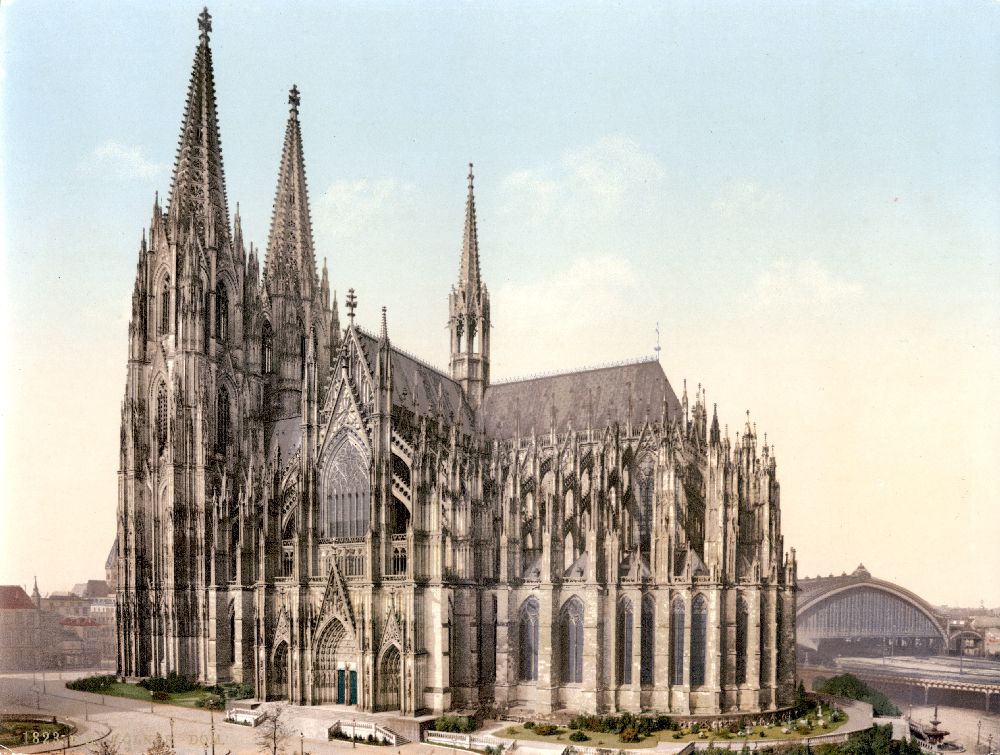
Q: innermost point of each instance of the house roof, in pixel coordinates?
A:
(593, 397)
(14, 597)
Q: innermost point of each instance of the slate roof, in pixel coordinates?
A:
(13, 597)
(421, 388)
(597, 396)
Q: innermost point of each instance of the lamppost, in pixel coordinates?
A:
(301, 744)
(979, 728)
(211, 717)
(354, 733)
(171, 733)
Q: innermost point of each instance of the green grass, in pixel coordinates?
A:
(613, 741)
(135, 692)
(13, 731)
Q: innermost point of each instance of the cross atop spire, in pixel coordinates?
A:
(352, 304)
(205, 24)
(294, 98)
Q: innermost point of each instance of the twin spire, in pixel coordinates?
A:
(290, 262)
(198, 187)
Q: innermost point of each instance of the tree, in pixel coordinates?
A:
(107, 746)
(159, 747)
(273, 730)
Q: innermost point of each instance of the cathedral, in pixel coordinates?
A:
(305, 507)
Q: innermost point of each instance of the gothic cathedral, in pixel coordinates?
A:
(307, 508)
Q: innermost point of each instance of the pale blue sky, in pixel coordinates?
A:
(804, 195)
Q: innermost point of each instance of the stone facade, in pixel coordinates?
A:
(310, 509)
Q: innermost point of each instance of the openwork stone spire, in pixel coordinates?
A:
(290, 263)
(198, 189)
(468, 273)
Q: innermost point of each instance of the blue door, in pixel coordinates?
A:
(354, 688)
(340, 686)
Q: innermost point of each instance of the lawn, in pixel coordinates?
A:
(614, 741)
(30, 730)
(188, 699)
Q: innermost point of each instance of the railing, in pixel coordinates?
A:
(364, 729)
(468, 741)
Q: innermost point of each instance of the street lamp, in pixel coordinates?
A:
(301, 744)
(354, 734)
(171, 733)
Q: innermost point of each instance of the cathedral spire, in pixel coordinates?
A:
(289, 260)
(469, 313)
(198, 188)
(468, 274)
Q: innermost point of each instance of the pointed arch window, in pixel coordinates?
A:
(234, 547)
(221, 313)
(742, 621)
(647, 640)
(528, 641)
(165, 308)
(677, 641)
(571, 641)
(222, 420)
(699, 638)
(232, 633)
(765, 649)
(266, 348)
(207, 320)
(624, 643)
(161, 418)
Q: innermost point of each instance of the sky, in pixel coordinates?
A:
(804, 197)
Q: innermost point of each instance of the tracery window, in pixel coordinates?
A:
(742, 622)
(647, 640)
(571, 641)
(624, 643)
(266, 348)
(207, 321)
(221, 313)
(161, 418)
(677, 641)
(165, 308)
(528, 641)
(699, 638)
(765, 648)
(222, 420)
(347, 493)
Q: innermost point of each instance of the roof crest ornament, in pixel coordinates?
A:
(205, 24)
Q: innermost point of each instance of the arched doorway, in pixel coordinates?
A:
(279, 673)
(389, 672)
(335, 669)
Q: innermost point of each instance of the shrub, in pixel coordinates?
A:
(172, 683)
(631, 734)
(458, 724)
(160, 696)
(578, 736)
(695, 728)
(240, 691)
(848, 685)
(546, 730)
(529, 725)
(92, 683)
